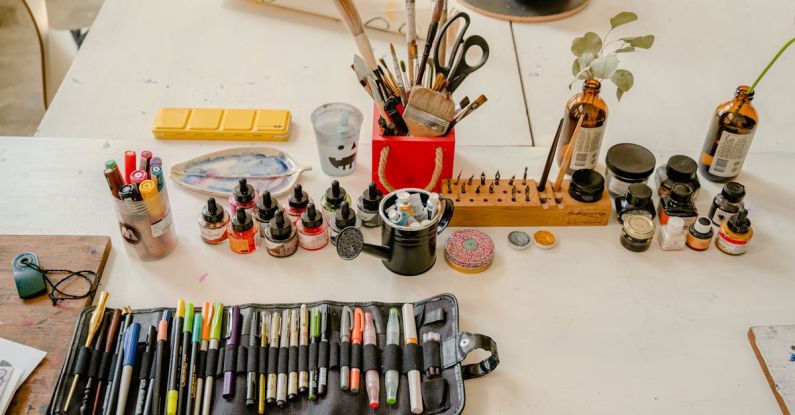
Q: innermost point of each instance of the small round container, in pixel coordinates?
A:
(213, 222)
(243, 232)
(699, 235)
(337, 126)
(519, 240)
(469, 251)
(637, 233)
(627, 163)
(679, 169)
(281, 238)
(545, 239)
(312, 229)
(586, 186)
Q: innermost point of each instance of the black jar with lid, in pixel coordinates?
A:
(678, 203)
(636, 201)
(679, 169)
(586, 186)
(727, 203)
(627, 163)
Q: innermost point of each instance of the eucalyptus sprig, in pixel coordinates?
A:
(597, 58)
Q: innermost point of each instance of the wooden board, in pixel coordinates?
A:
(35, 322)
(525, 11)
(773, 346)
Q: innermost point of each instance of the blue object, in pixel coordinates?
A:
(29, 281)
(131, 343)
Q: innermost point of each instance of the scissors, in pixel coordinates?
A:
(457, 68)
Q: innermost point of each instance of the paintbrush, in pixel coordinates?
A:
(443, 42)
(564, 167)
(411, 41)
(428, 112)
(379, 101)
(93, 326)
(408, 79)
(398, 75)
(368, 77)
(362, 82)
(437, 14)
(350, 15)
(466, 110)
(542, 184)
(389, 78)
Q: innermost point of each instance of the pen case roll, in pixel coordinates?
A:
(443, 394)
(147, 226)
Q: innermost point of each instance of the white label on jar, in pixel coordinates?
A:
(730, 155)
(213, 234)
(720, 216)
(731, 246)
(586, 151)
(312, 242)
(162, 226)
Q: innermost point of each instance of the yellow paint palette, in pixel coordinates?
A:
(222, 124)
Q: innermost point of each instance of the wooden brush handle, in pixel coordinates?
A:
(564, 167)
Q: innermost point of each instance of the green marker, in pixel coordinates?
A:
(212, 357)
(392, 377)
(190, 381)
(314, 338)
(185, 353)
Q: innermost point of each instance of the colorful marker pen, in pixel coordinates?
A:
(172, 394)
(414, 379)
(145, 161)
(146, 367)
(265, 322)
(193, 365)
(251, 369)
(160, 354)
(273, 356)
(325, 333)
(284, 345)
(137, 176)
(292, 377)
(371, 376)
(228, 391)
(356, 338)
(392, 377)
(207, 321)
(156, 175)
(212, 358)
(129, 165)
(185, 355)
(314, 339)
(303, 376)
(130, 349)
(346, 321)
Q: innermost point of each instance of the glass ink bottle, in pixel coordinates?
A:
(735, 234)
(672, 235)
(678, 204)
(637, 233)
(728, 202)
(589, 104)
(368, 205)
(699, 235)
(637, 201)
(281, 237)
(243, 195)
(297, 203)
(213, 222)
(312, 230)
(627, 163)
(344, 217)
(265, 210)
(731, 130)
(334, 197)
(679, 169)
(243, 232)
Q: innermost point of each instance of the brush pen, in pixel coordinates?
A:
(201, 363)
(414, 377)
(231, 347)
(346, 322)
(371, 376)
(314, 339)
(356, 338)
(174, 357)
(392, 376)
(273, 357)
(93, 368)
(184, 355)
(146, 369)
(411, 40)
(303, 343)
(292, 377)
(81, 364)
(193, 364)
(284, 345)
(325, 334)
(435, 17)
(265, 322)
(109, 402)
(251, 373)
(152, 404)
(542, 184)
(212, 358)
(129, 350)
(129, 165)
(107, 358)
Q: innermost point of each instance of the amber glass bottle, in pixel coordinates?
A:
(586, 150)
(729, 137)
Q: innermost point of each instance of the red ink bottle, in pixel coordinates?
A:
(297, 203)
(213, 222)
(243, 195)
(243, 232)
(312, 230)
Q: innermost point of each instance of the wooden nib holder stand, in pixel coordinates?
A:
(499, 209)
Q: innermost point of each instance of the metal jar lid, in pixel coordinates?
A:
(639, 227)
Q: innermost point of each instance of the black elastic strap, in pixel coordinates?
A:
(284, 355)
(371, 358)
(262, 364)
(435, 395)
(201, 364)
(322, 354)
(230, 358)
(252, 359)
(211, 362)
(345, 354)
(303, 358)
(219, 368)
(242, 359)
(107, 361)
(273, 360)
(431, 355)
(313, 356)
(292, 361)
(412, 357)
(455, 350)
(391, 357)
(356, 356)
(433, 315)
(82, 362)
(93, 366)
(334, 356)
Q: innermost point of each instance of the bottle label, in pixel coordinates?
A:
(730, 154)
(213, 234)
(731, 246)
(162, 226)
(313, 241)
(586, 151)
(720, 216)
(244, 245)
(281, 248)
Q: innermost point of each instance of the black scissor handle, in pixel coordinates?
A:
(442, 36)
(462, 69)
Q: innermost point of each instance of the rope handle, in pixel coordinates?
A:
(437, 169)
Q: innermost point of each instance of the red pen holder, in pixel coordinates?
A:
(405, 161)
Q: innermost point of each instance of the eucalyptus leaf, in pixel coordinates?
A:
(626, 49)
(604, 66)
(643, 42)
(582, 65)
(622, 19)
(589, 42)
(623, 79)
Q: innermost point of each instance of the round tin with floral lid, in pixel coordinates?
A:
(469, 251)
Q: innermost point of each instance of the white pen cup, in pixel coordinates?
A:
(337, 126)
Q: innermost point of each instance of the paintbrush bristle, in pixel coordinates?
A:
(350, 15)
(428, 113)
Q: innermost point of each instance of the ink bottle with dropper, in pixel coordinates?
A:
(213, 222)
(735, 234)
(265, 210)
(243, 232)
(334, 197)
(281, 237)
(368, 205)
(243, 195)
(312, 229)
(343, 218)
(297, 203)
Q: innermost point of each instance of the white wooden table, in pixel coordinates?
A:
(587, 327)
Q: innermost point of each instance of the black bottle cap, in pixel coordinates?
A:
(733, 192)
(266, 207)
(344, 216)
(212, 213)
(630, 161)
(638, 194)
(681, 193)
(739, 222)
(586, 185)
(371, 197)
(299, 199)
(681, 168)
(130, 192)
(335, 194)
(243, 192)
(242, 221)
(311, 218)
(280, 227)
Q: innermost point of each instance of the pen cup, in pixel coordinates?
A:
(147, 226)
(337, 126)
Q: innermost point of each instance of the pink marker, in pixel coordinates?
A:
(371, 377)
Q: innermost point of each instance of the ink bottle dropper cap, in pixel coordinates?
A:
(266, 207)
(212, 213)
(311, 218)
(243, 192)
(739, 223)
(371, 197)
(733, 192)
(344, 216)
(242, 222)
(280, 228)
(681, 193)
(335, 194)
(299, 199)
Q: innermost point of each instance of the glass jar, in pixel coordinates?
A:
(368, 206)
(728, 202)
(672, 235)
(679, 169)
(586, 186)
(589, 104)
(213, 222)
(637, 201)
(678, 204)
(699, 235)
(637, 233)
(735, 234)
(731, 131)
(243, 232)
(627, 163)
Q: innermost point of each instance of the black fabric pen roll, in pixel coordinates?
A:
(112, 391)
(323, 352)
(145, 370)
(93, 368)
